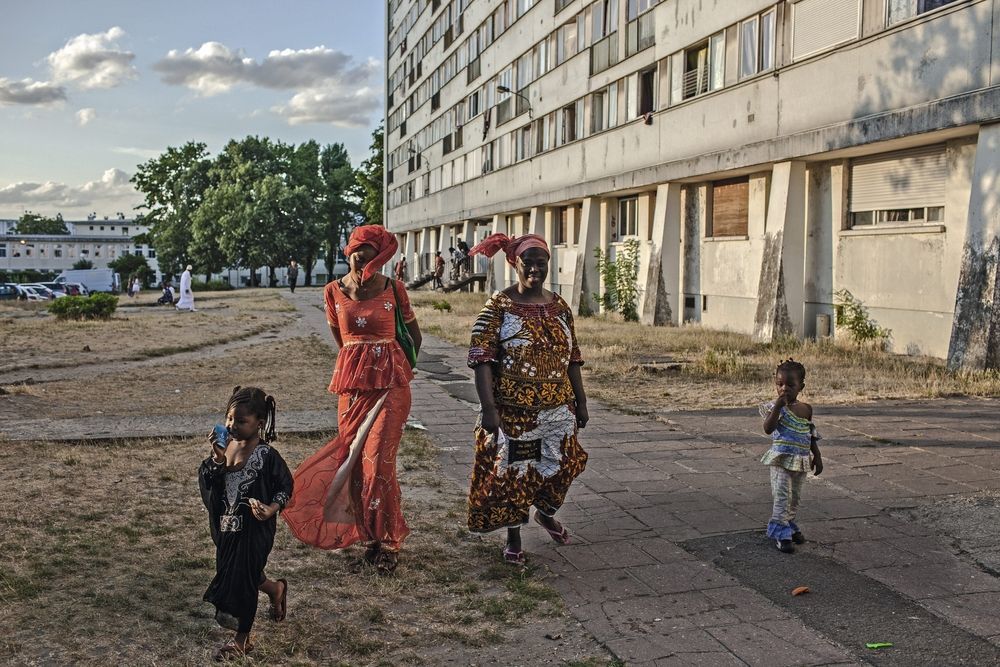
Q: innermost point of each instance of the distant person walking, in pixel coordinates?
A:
(438, 270)
(463, 248)
(527, 362)
(793, 439)
(401, 269)
(133, 287)
(293, 275)
(186, 302)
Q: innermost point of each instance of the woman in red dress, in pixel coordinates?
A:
(347, 492)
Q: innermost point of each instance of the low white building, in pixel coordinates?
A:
(765, 154)
(98, 241)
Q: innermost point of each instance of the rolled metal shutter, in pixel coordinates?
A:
(821, 24)
(906, 179)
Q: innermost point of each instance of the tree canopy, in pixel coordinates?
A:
(32, 223)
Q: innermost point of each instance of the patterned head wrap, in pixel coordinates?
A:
(512, 247)
(385, 245)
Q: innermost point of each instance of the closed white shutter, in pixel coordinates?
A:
(821, 24)
(908, 179)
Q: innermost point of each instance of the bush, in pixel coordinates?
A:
(441, 305)
(853, 316)
(211, 286)
(93, 307)
(83, 264)
(620, 280)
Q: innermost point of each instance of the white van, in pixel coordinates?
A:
(95, 280)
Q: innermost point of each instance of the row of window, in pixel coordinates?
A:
(693, 71)
(26, 249)
(900, 188)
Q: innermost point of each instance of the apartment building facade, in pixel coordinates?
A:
(765, 155)
(98, 241)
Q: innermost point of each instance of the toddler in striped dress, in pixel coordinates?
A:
(793, 452)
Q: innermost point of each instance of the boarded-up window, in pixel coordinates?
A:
(730, 207)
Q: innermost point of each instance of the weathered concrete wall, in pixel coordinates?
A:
(975, 335)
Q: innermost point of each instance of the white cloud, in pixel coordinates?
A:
(111, 193)
(344, 108)
(142, 153)
(85, 116)
(93, 61)
(331, 87)
(27, 91)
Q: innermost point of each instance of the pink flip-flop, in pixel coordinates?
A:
(514, 557)
(558, 536)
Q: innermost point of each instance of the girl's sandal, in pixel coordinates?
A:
(514, 557)
(558, 536)
(231, 651)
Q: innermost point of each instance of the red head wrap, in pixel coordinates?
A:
(512, 247)
(385, 245)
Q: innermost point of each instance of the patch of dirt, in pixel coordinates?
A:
(972, 521)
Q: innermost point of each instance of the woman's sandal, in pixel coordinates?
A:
(277, 611)
(558, 536)
(386, 562)
(514, 557)
(231, 651)
(372, 552)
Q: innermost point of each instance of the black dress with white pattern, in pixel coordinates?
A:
(242, 543)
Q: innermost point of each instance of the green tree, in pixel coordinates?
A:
(32, 223)
(341, 199)
(369, 178)
(129, 265)
(173, 186)
(83, 264)
(307, 244)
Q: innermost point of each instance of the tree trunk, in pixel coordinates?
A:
(272, 278)
(308, 270)
(208, 277)
(254, 278)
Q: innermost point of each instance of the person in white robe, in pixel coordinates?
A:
(186, 301)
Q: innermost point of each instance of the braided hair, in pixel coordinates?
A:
(789, 365)
(260, 404)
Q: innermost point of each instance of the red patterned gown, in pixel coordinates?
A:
(347, 492)
(531, 347)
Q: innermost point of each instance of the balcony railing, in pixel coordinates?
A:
(604, 54)
(695, 82)
(640, 34)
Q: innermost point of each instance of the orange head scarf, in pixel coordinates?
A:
(512, 247)
(385, 245)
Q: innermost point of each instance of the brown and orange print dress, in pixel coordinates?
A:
(536, 456)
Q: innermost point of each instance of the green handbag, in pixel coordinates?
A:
(402, 333)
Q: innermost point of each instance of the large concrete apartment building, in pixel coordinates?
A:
(765, 155)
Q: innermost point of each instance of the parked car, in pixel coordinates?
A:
(28, 293)
(59, 288)
(96, 280)
(76, 289)
(43, 290)
(8, 291)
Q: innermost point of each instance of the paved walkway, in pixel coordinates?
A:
(666, 523)
(654, 490)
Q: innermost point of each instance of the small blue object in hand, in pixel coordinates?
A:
(220, 436)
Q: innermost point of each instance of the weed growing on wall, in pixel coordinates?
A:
(853, 316)
(621, 289)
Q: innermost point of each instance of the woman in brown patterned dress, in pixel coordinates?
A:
(527, 364)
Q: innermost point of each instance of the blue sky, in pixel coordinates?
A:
(90, 89)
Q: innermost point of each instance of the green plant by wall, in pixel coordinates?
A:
(853, 316)
(621, 288)
(93, 307)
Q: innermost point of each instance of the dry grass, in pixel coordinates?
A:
(138, 329)
(688, 368)
(296, 371)
(106, 554)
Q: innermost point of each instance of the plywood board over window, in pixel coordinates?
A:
(730, 207)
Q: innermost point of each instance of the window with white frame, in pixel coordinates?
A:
(757, 43)
(900, 10)
(3, 249)
(901, 188)
(628, 217)
(636, 7)
(698, 69)
(604, 109)
(604, 19)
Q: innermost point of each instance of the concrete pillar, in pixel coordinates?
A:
(975, 330)
(424, 247)
(781, 287)
(496, 274)
(536, 221)
(409, 251)
(645, 206)
(662, 301)
(585, 274)
(608, 222)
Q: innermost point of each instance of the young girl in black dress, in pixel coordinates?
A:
(244, 484)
